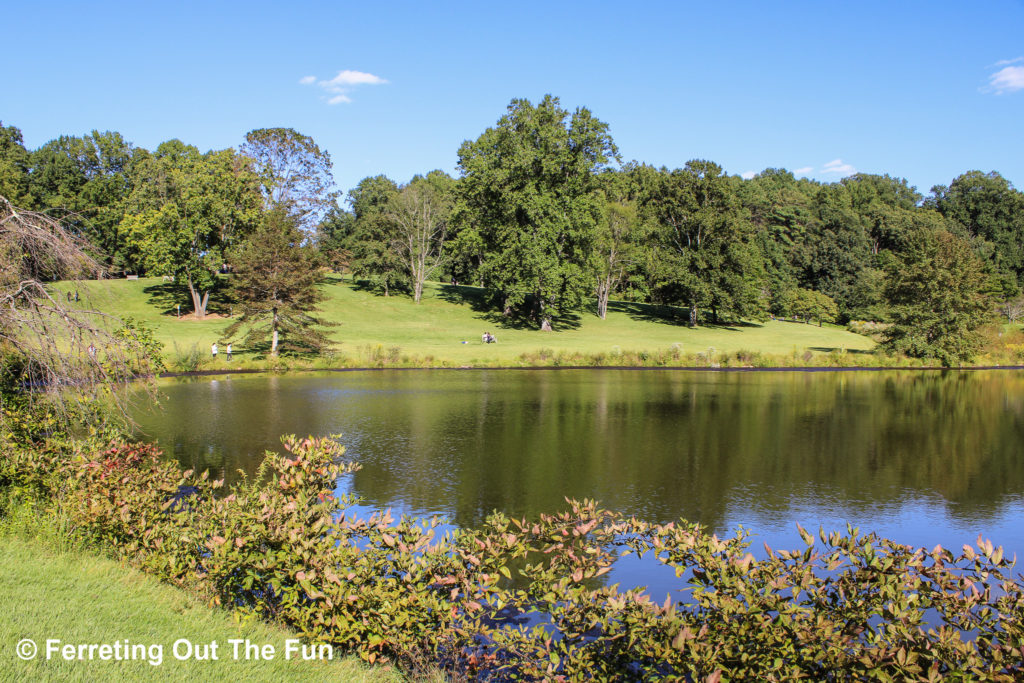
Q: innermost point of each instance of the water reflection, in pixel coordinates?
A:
(916, 455)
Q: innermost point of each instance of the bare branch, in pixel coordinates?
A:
(53, 340)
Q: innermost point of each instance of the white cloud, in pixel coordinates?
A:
(1008, 79)
(803, 171)
(339, 87)
(837, 166)
(1004, 62)
(747, 175)
(348, 78)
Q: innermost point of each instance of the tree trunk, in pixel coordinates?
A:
(418, 292)
(545, 321)
(693, 315)
(603, 294)
(273, 335)
(199, 301)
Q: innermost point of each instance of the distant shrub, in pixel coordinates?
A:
(191, 359)
(378, 355)
(874, 330)
(747, 358)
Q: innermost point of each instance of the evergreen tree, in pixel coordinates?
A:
(275, 283)
(937, 292)
(14, 166)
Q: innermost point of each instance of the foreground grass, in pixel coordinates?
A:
(445, 329)
(49, 591)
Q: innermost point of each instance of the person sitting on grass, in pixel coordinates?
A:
(489, 338)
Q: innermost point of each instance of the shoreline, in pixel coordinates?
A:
(808, 368)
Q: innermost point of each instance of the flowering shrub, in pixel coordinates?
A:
(522, 599)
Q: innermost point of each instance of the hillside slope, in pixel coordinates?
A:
(371, 326)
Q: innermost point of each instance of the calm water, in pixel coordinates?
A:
(921, 457)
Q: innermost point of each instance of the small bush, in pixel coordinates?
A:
(874, 330)
(191, 359)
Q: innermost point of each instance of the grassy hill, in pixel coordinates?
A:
(445, 329)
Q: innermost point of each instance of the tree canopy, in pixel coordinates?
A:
(530, 184)
(543, 216)
(705, 255)
(936, 290)
(186, 209)
(294, 171)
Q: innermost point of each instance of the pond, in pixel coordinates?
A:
(922, 457)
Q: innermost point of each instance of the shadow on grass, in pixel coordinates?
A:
(167, 296)
(672, 315)
(370, 288)
(487, 305)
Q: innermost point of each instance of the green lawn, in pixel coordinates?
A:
(449, 316)
(80, 598)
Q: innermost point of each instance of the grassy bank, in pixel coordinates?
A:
(445, 330)
(53, 590)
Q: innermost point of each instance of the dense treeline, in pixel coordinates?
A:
(545, 215)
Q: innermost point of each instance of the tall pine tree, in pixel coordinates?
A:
(275, 282)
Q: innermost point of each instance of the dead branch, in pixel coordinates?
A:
(56, 340)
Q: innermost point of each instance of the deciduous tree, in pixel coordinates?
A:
(296, 173)
(620, 235)
(14, 165)
(529, 184)
(375, 257)
(186, 210)
(705, 254)
(46, 342)
(419, 214)
(335, 239)
(807, 305)
(988, 206)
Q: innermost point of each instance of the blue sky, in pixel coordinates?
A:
(921, 90)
